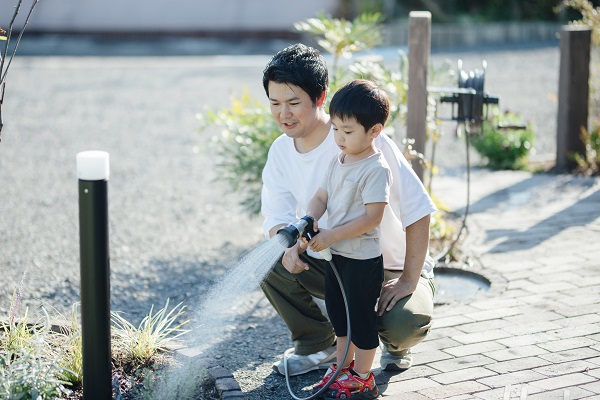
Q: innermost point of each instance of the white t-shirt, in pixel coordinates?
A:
(349, 187)
(290, 180)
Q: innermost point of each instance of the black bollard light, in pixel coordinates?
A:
(93, 173)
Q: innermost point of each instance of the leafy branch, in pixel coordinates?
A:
(6, 36)
(342, 38)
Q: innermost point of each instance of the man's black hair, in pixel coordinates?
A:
(298, 65)
(362, 100)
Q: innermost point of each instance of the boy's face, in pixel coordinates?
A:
(351, 137)
(292, 109)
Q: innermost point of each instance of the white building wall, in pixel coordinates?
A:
(164, 15)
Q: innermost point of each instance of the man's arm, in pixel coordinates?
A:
(417, 243)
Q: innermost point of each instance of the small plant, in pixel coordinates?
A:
(340, 37)
(29, 375)
(439, 229)
(39, 361)
(140, 344)
(16, 332)
(588, 164)
(504, 141)
(31, 368)
(68, 345)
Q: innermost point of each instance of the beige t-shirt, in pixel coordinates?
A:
(349, 187)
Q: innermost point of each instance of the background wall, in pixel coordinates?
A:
(184, 16)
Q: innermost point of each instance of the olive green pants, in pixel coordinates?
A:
(291, 295)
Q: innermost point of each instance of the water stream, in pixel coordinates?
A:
(214, 312)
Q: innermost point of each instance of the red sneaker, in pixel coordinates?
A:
(330, 371)
(351, 386)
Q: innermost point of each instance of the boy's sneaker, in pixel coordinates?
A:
(330, 371)
(390, 362)
(351, 386)
(298, 365)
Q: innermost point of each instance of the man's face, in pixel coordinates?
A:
(292, 109)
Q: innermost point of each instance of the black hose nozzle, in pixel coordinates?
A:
(301, 228)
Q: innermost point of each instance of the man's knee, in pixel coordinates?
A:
(409, 322)
(403, 329)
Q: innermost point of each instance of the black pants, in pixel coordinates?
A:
(361, 280)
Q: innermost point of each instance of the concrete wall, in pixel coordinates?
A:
(242, 18)
(185, 16)
(451, 35)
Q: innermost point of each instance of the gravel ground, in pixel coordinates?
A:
(174, 227)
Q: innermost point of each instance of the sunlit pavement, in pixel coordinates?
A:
(536, 333)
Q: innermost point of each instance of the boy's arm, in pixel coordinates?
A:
(369, 220)
(317, 205)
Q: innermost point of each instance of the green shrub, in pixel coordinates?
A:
(28, 375)
(67, 344)
(504, 142)
(141, 344)
(38, 363)
(30, 366)
(247, 132)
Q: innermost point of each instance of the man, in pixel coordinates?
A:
(295, 81)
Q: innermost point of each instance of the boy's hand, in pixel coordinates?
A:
(315, 225)
(321, 241)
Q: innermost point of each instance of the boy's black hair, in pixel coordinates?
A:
(298, 65)
(362, 100)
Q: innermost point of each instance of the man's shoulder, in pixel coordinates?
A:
(281, 139)
(383, 140)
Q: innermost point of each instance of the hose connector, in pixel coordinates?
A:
(295, 230)
(304, 227)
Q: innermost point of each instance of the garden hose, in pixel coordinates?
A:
(463, 225)
(338, 370)
(304, 228)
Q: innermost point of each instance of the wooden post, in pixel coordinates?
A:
(573, 93)
(419, 48)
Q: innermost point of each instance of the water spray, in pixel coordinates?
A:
(304, 227)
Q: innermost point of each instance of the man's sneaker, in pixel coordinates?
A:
(390, 362)
(330, 371)
(298, 365)
(351, 386)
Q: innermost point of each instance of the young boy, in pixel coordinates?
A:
(354, 192)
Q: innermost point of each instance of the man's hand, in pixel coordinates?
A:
(392, 291)
(291, 258)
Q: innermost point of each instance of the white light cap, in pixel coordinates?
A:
(93, 165)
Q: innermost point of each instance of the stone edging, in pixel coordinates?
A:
(226, 385)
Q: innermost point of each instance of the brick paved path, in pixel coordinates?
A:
(536, 333)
